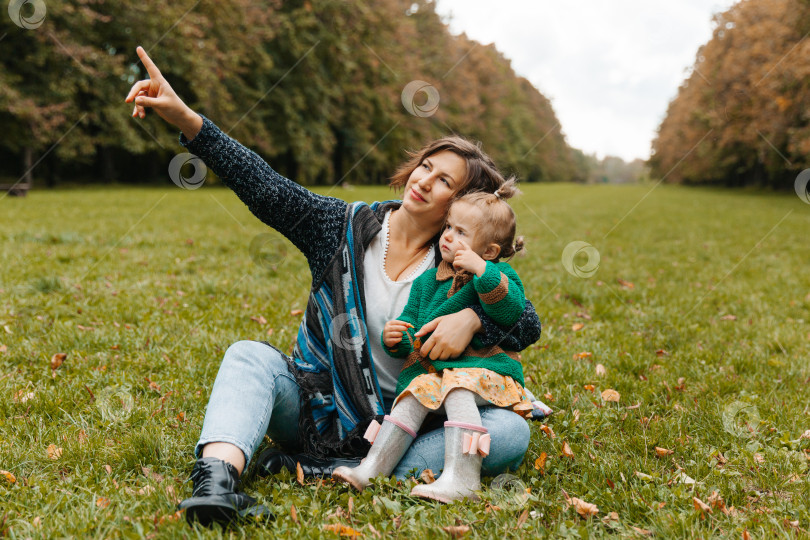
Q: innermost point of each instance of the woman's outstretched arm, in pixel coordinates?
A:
(313, 223)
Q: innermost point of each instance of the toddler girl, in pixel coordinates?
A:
(480, 229)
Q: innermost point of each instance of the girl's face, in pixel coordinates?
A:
(433, 183)
(463, 223)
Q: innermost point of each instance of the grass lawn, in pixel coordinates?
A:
(698, 313)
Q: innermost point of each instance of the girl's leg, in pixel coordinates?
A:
(395, 434)
(254, 393)
(464, 436)
(509, 442)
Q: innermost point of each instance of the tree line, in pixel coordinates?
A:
(742, 117)
(315, 86)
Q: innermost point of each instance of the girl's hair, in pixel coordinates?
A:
(482, 175)
(498, 223)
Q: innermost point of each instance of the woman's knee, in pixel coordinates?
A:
(255, 354)
(510, 436)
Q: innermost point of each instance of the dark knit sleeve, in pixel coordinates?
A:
(312, 222)
(514, 338)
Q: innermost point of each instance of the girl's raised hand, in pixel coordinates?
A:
(156, 93)
(467, 259)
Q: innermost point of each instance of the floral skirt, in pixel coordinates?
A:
(502, 391)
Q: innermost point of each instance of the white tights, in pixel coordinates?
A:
(460, 405)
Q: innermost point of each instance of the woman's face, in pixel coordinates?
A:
(433, 183)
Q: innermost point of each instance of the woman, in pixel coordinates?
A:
(363, 260)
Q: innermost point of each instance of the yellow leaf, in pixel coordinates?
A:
(662, 452)
(57, 360)
(582, 355)
(610, 395)
(299, 473)
(566, 450)
(427, 476)
(296, 312)
(9, 477)
(102, 502)
(548, 431)
(642, 532)
(589, 387)
(577, 326)
(540, 463)
(294, 514)
(600, 370)
(701, 506)
(584, 509)
(54, 452)
(457, 531)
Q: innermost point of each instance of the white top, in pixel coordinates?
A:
(385, 300)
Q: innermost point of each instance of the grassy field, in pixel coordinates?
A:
(698, 313)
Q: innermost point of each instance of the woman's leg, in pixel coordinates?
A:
(254, 393)
(510, 440)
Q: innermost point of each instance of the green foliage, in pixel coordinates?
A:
(313, 86)
(710, 317)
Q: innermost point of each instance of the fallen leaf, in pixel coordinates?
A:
(661, 352)
(351, 505)
(427, 476)
(102, 502)
(745, 535)
(294, 514)
(805, 435)
(548, 431)
(626, 284)
(577, 326)
(582, 355)
(759, 458)
(54, 452)
(296, 312)
(701, 506)
(108, 469)
(663, 452)
(683, 478)
(728, 318)
(37, 521)
(23, 396)
(548, 396)
(716, 501)
(259, 319)
(10, 478)
(522, 519)
(299, 473)
(644, 476)
(576, 415)
(610, 395)
(3, 349)
(57, 360)
(589, 387)
(600, 370)
(457, 531)
(540, 463)
(642, 532)
(612, 516)
(584, 509)
(566, 450)
(341, 530)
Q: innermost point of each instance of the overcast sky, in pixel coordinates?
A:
(610, 68)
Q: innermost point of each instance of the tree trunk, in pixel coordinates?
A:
(28, 164)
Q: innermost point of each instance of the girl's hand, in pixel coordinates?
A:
(451, 334)
(392, 332)
(467, 259)
(156, 93)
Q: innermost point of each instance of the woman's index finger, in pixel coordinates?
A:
(151, 68)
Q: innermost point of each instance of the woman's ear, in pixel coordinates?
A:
(491, 252)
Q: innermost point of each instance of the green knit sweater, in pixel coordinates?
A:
(444, 290)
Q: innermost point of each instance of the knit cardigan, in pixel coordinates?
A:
(332, 361)
(444, 290)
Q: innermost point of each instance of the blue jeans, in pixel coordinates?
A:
(254, 394)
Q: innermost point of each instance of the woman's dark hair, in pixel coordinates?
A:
(481, 175)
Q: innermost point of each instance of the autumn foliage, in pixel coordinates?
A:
(742, 117)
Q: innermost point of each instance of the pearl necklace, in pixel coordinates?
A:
(385, 252)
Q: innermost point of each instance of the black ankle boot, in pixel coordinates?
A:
(271, 461)
(215, 498)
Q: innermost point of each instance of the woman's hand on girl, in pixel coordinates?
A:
(392, 332)
(156, 93)
(451, 334)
